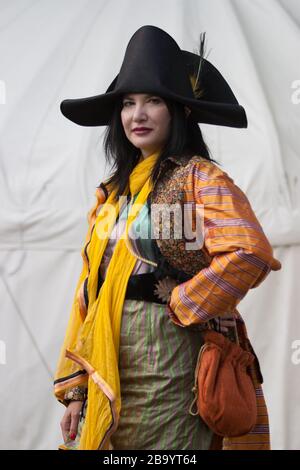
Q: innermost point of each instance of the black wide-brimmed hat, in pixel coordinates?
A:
(154, 64)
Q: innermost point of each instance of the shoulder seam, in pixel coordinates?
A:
(220, 172)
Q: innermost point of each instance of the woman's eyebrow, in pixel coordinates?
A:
(130, 96)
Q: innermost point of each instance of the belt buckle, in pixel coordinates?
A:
(163, 288)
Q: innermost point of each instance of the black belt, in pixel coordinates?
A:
(142, 286)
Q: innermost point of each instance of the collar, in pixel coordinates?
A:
(176, 159)
(179, 160)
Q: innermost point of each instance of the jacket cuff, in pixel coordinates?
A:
(78, 393)
(173, 316)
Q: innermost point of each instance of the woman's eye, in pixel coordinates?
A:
(126, 104)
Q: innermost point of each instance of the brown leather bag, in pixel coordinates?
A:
(224, 390)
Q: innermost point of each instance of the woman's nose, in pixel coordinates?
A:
(139, 113)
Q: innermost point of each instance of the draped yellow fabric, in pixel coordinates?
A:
(93, 342)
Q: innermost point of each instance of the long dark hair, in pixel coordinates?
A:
(185, 138)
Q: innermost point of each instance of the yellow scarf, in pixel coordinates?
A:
(92, 336)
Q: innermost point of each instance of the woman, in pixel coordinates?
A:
(151, 279)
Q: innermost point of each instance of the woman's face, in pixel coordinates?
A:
(146, 121)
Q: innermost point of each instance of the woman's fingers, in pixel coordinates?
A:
(69, 423)
(65, 425)
(75, 415)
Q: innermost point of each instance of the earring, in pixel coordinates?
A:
(187, 111)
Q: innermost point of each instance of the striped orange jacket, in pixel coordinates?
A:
(235, 256)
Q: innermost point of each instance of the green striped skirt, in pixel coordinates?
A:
(156, 364)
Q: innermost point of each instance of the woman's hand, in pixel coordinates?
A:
(70, 420)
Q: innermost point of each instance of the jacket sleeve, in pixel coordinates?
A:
(241, 256)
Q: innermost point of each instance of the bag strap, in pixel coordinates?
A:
(195, 387)
(211, 326)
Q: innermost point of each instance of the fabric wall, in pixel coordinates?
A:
(49, 169)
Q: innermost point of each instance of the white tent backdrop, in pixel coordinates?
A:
(49, 169)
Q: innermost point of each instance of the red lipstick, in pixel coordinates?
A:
(141, 130)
